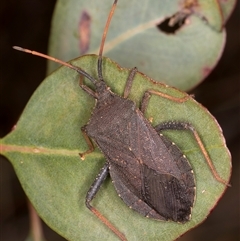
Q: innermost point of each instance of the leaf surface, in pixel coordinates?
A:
(181, 59)
(44, 147)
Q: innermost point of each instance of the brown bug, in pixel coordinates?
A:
(149, 172)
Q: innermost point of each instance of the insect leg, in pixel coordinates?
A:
(174, 125)
(148, 94)
(128, 85)
(89, 142)
(85, 88)
(91, 194)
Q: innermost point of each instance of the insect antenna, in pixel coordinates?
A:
(80, 71)
(100, 77)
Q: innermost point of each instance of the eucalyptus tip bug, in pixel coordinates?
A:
(149, 172)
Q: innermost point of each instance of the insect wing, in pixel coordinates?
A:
(167, 195)
(149, 172)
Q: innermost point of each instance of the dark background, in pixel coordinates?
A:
(27, 23)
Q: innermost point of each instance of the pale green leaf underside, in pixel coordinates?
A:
(134, 39)
(44, 147)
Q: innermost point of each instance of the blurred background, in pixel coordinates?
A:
(26, 23)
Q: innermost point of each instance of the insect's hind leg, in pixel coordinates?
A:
(91, 194)
(176, 125)
(96, 185)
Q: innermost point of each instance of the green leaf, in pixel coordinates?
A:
(44, 147)
(215, 12)
(181, 59)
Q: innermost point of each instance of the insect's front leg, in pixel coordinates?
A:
(85, 88)
(177, 125)
(91, 194)
(89, 142)
(128, 85)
